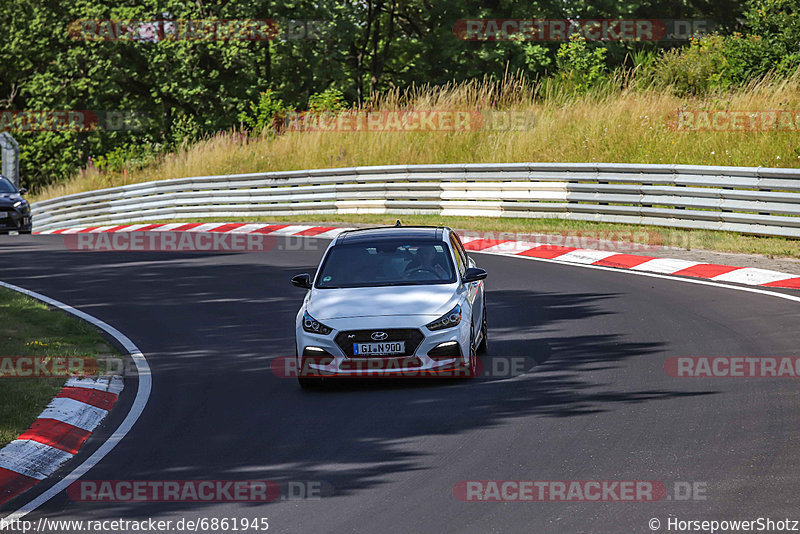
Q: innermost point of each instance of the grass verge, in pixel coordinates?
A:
(772, 247)
(30, 328)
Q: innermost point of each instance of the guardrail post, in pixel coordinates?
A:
(10, 151)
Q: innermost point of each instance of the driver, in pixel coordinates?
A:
(425, 260)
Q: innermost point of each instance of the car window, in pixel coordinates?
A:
(6, 186)
(461, 257)
(385, 263)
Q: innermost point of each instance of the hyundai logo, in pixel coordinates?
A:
(379, 336)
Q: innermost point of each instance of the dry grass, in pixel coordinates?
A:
(612, 124)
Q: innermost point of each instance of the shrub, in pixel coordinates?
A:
(265, 115)
(578, 65)
(127, 156)
(701, 67)
(184, 130)
(329, 100)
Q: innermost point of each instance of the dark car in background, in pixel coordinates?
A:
(15, 212)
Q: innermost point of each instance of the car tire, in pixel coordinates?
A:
(310, 383)
(483, 348)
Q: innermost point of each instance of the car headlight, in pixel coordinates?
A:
(18, 203)
(313, 326)
(448, 320)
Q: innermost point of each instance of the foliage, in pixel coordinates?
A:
(191, 89)
(579, 65)
(265, 114)
(128, 157)
(722, 62)
(697, 69)
(329, 100)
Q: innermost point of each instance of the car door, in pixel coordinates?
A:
(474, 289)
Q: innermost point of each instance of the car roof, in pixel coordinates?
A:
(392, 233)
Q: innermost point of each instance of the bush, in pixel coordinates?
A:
(265, 115)
(701, 67)
(578, 65)
(183, 130)
(128, 156)
(329, 100)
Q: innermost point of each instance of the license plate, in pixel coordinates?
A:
(3, 214)
(385, 347)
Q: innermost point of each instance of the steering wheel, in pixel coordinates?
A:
(416, 270)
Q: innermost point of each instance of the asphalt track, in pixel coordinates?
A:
(597, 405)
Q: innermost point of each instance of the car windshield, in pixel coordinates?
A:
(386, 264)
(6, 186)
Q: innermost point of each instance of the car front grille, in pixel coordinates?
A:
(412, 336)
(8, 219)
(378, 363)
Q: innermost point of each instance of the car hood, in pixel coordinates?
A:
(434, 300)
(9, 199)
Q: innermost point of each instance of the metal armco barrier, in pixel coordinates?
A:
(741, 199)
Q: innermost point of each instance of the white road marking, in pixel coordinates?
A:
(206, 227)
(291, 230)
(139, 402)
(665, 265)
(753, 276)
(32, 459)
(583, 255)
(75, 413)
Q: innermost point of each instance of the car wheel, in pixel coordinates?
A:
(310, 383)
(484, 346)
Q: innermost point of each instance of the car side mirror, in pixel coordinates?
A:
(473, 274)
(302, 280)
(22, 190)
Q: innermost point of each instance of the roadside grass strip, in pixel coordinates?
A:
(35, 341)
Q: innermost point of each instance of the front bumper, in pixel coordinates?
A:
(322, 356)
(12, 220)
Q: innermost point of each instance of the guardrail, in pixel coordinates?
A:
(750, 200)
